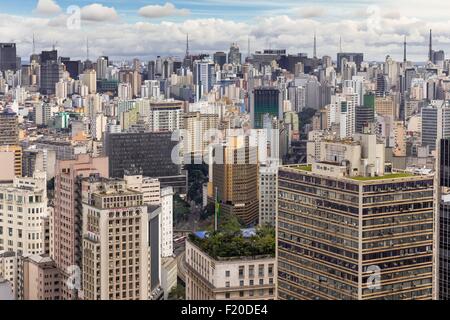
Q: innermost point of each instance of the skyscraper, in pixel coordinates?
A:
(265, 100)
(234, 56)
(349, 233)
(8, 57)
(357, 58)
(9, 127)
(235, 175)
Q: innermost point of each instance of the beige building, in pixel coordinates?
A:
(16, 152)
(115, 244)
(198, 126)
(385, 106)
(244, 278)
(39, 279)
(23, 205)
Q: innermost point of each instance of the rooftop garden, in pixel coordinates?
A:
(229, 241)
(396, 175)
(304, 167)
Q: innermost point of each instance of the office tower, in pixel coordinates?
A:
(343, 112)
(102, 67)
(385, 106)
(225, 277)
(10, 162)
(151, 70)
(204, 77)
(74, 68)
(154, 195)
(67, 217)
(357, 84)
(235, 175)
(150, 152)
(234, 56)
(89, 79)
(297, 97)
(165, 115)
(8, 57)
(115, 226)
(442, 202)
(38, 160)
(24, 204)
(382, 85)
(364, 115)
(51, 72)
(375, 235)
(357, 58)
(267, 193)
(39, 278)
(435, 124)
(167, 222)
(9, 127)
(220, 58)
(264, 101)
(49, 56)
(43, 114)
(197, 126)
(124, 91)
(438, 57)
(149, 187)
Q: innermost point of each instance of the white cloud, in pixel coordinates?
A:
(98, 12)
(157, 11)
(47, 7)
(310, 12)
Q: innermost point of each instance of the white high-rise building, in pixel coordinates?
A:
(268, 177)
(167, 222)
(23, 205)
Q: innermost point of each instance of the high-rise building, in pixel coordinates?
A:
(267, 193)
(442, 220)
(211, 277)
(102, 67)
(234, 56)
(67, 219)
(115, 226)
(9, 127)
(23, 205)
(165, 115)
(265, 101)
(435, 124)
(204, 77)
(197, 126)
(39, 278)
(51, 72)
(8, 57)
(220, 58)
(347, 233)
(150, 152)
(235, 177)
(357, 58)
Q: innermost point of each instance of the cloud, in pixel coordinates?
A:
(47, 7)
(157, 11)
(98, 12)
(310, 12)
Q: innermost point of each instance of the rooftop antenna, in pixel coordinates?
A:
(404, 50)
(87, 49)
(430, 53)
(248, 47)
(315, 45)
(187, 45)
(340, 44)
(34, 45)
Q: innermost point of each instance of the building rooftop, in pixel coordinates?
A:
(244, 244)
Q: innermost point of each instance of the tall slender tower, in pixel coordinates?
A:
(315, 46)
(404, 50)
(430, 53)
(187, 45)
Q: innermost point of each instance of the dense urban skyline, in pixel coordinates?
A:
(127, 29)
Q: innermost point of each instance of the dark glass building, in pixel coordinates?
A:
(265, 101)
(150, 152)
(363, 116)
(443, 191)
(8, 57)
(357, 58)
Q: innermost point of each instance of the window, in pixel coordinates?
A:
(227, 273)
(241, 271)
(227, 284)
(227, 295)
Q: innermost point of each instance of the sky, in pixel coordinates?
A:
(125, 29)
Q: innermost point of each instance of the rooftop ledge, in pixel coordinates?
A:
(394, 175)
